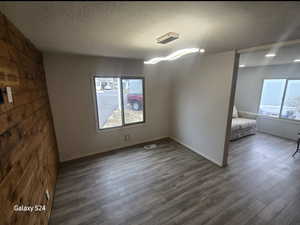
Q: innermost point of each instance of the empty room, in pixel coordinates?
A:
(149, 113)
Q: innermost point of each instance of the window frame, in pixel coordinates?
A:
(122, 101)
(282, 100)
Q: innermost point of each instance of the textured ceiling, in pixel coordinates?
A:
(129, 29)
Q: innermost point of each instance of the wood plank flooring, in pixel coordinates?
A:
(171, 185)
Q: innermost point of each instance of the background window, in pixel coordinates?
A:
(119, 105)
(291, 106)
(271, 98)
(133, 96)
(108, 102)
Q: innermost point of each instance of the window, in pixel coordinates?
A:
(271, 97)
(120, 101)
(133, 99)
(280, 98)
(291, 105)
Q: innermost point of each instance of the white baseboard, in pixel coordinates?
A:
(114, 148)
(194, 150)
(141, 142)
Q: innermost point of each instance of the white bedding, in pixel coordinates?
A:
(242, 123)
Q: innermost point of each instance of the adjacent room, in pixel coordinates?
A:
(149, 113)
(268, 89)
(267, 94)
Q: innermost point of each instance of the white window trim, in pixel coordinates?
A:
(282, 101)
(124, 125)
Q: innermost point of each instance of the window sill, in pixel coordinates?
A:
(278, 119)
(114, 129)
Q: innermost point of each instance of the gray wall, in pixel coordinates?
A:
(201, 89)
(72, 102)
(248, 91)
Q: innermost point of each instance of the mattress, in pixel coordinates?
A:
(242, 123)
(241, 127)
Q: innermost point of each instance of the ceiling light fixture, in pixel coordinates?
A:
(168, 37)
(174, 55)
(242, 65)
(296, 60)
(270, 55)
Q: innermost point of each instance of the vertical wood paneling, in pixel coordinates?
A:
(28, 151)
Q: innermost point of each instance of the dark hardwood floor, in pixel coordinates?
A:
(171, 185)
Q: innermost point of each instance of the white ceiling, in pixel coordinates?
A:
(284, 55)
(129, 29)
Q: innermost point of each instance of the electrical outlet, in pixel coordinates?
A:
(126, 137)
(47, 194)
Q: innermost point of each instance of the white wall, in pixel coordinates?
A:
(71, 99)
(187, 99)
(248, 90)
(201, 90)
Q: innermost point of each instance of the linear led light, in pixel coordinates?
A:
(296, 60)
(242, 66)
(270, 55)
(174, 55)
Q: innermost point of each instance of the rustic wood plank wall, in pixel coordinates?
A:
(28, 151)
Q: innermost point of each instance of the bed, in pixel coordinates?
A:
(241, 126)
